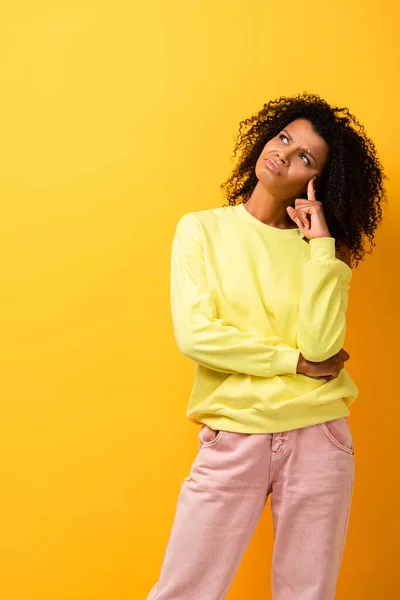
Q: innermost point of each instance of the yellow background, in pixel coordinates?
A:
(116, 119)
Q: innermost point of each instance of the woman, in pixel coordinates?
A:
(259, 293)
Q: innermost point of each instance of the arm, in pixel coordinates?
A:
(324, 299)
(203, 337)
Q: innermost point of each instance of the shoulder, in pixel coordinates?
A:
(206, 219)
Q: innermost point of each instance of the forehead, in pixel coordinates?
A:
(302, 132)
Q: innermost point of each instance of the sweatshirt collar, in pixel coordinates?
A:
(245, 215)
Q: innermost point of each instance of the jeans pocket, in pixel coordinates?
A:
(339, 433)
(209, 437)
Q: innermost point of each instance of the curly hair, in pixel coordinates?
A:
(351, 185)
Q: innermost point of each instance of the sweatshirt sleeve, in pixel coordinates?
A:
(199, 333)
(324, 298)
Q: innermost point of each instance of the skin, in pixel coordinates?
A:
(278, 200)
(329, 368)
(274, 193)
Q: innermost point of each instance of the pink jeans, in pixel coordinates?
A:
(310, 474)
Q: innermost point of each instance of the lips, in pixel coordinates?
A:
(273, 165)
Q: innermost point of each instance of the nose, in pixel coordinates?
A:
(281, 155)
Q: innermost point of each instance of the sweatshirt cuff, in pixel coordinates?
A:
(285, 361)
(322, 248)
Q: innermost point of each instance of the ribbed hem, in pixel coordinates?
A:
(254, 421)
(322, 248)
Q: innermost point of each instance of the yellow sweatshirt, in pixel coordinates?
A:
(246, 299)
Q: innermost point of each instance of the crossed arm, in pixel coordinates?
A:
(208, 340)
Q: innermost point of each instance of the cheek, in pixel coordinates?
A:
(298, 182)
(267, 149)
(300, 175)
(261, 160)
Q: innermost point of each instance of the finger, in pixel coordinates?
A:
(311, 189)
(289, 211)
(303, 217)
(300, 219)
(293, 214)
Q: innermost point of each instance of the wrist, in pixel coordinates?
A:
(301, 364)
(324, 235)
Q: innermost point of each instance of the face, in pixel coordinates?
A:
(299, 153)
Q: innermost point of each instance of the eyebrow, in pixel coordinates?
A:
(304, 149)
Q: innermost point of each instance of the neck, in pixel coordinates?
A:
(266, 208)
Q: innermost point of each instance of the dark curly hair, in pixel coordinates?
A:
(351, 185)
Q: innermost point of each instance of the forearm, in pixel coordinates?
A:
(323, 304)
(199, 332)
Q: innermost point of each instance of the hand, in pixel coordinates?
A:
(329, 368)
(309, 206)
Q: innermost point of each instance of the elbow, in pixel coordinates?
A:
(184, 342)
(187, 350)
(184, 346)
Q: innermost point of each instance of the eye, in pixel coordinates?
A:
(282, 135)
(308, 161)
